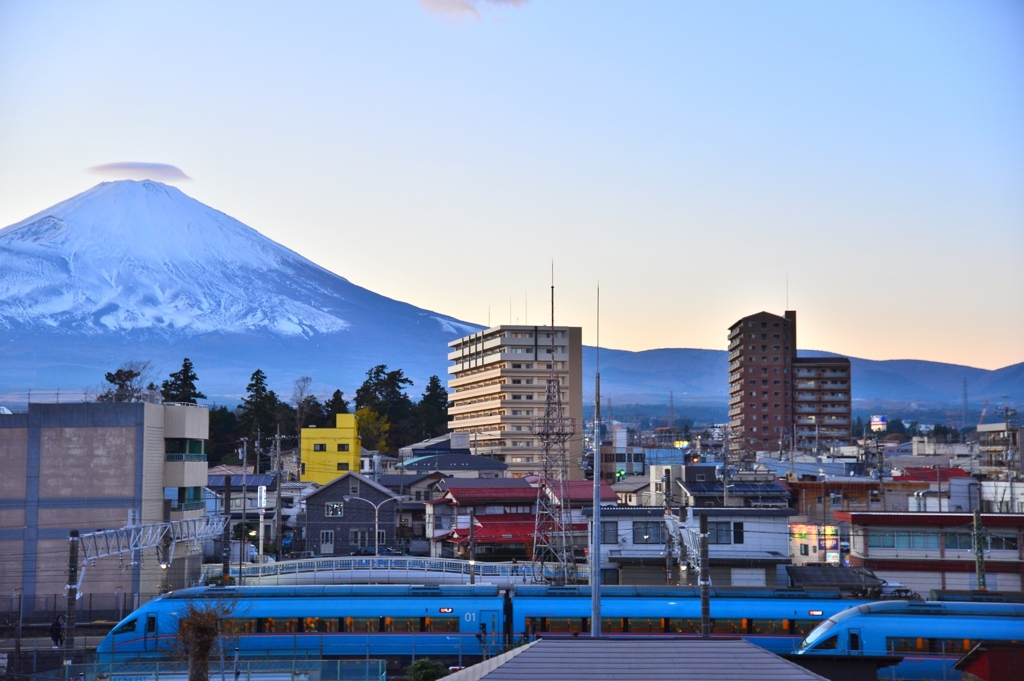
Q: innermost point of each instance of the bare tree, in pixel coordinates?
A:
(198, 629)
(132, 382)
(299, 395)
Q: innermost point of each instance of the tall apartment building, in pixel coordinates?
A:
(497, 386)
(87, 466)
(778, 401)
(821, 404)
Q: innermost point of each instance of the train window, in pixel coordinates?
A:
(928, 645)
(127, 627)
(720, 625)
(803, 627)
(402, 624)
(565, 625)
(279, 625)
(440, 624)
(676, 625)
(646, 625)
(766, 626)
(235, 626)
(362, 625)
(321, 625)
(829, 643)
(854, 640)
(613, 625)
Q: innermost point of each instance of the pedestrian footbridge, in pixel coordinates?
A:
(382, 570)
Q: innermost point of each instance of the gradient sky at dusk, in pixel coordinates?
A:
(687, 154)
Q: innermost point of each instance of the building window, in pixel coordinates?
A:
(529, 397)
(342, 466)
(333, 509)
(359, 538)
(648, 532)
(609, 532)
(517, 366)
(382, 537)
(353, 488)
(737, 533)
(517, 397)
(516, 381)
(326, 536)
(804, 551)
(719, 533)
(343, 448)
(320, 447)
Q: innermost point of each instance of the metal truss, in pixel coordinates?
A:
(132, 538)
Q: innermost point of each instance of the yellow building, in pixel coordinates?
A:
(327, 453)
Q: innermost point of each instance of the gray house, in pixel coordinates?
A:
(343, 516)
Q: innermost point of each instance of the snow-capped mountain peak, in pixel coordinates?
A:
(128, 256)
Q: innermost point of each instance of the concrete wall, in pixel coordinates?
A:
(82, 466)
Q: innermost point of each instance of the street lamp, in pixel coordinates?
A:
(376, 516)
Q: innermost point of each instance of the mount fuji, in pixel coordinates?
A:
(140, 271)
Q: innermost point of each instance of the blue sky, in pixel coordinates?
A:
(688, 155)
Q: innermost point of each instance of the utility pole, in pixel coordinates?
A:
(225, 550)
(472, 546)
(979, 551)
(705, 580)
(69, 616)
(595, 525)
(244, 534)
(277, 497)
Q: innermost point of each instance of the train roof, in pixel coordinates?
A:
(933, 609)
(335, 591)
(674, 592)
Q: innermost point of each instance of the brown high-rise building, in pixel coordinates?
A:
(777, 401)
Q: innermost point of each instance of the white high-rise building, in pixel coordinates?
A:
(498, 384)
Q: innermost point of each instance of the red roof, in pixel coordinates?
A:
(502, 529)
(483, 495)
(921, 474)
(583, 490)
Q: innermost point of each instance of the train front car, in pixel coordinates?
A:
(774, 619)
(930, 636)
(456, 623)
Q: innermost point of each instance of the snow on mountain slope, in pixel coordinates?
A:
(129, 256)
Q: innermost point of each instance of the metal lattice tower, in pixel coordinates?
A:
(553, 559)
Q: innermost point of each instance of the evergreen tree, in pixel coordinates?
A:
(129, 383)
(182, 386)
(260, 407)
(433, 409)
(384, 392)
(337, 404)
(224, 435)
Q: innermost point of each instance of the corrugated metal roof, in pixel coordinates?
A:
(609, 659)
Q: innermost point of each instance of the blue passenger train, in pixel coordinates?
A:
(931, 636)
(458, 622)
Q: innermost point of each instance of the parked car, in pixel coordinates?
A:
(382, 551)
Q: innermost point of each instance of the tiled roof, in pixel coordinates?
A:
(929, 474)
(483, 495)
(583, 490)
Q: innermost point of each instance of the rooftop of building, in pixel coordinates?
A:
(632, 483)
(251, 482)
(902, 519)
(452, 460)
(638, 659)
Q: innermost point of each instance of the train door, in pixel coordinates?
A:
(854, 641)
(150, 632)
(490, 622)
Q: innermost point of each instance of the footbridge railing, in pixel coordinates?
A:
(384, 569)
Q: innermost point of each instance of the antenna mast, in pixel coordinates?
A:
(552, 540)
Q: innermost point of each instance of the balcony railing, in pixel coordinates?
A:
(184, 457)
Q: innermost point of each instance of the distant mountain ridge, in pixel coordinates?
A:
(647, 376)
(140, 271)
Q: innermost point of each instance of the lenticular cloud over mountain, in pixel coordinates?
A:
(143, 267)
